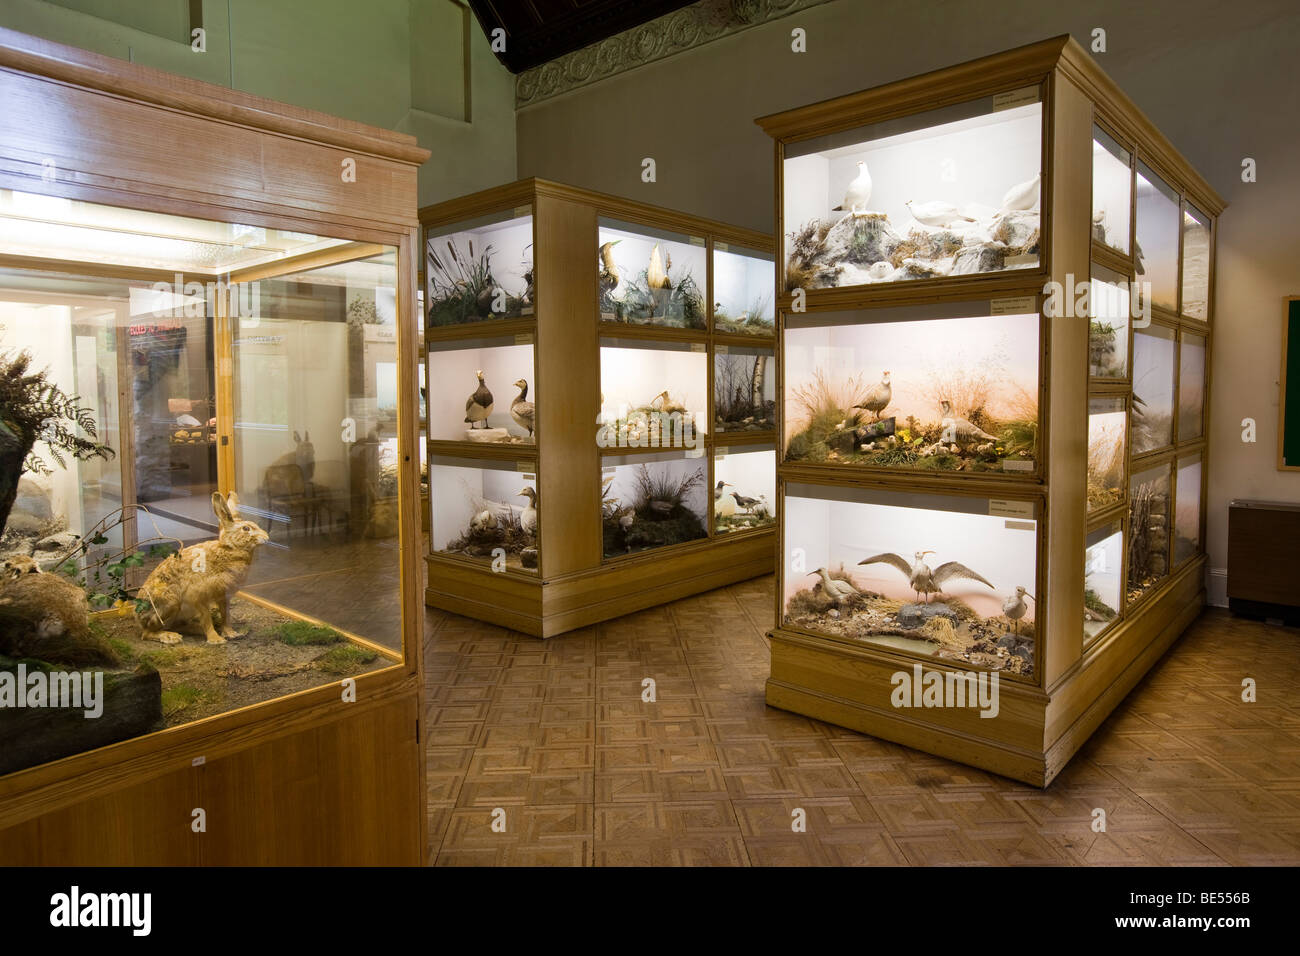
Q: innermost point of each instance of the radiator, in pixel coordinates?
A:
(1264, 559)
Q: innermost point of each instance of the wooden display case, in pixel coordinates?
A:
(143, 175)
(548, 285)
(1116, 206)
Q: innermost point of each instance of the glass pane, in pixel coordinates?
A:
(743, 284)
(1102, 570)
(481, 391)
(1157, 238)
(1111, 302)
(1107, 423)
(480, 270)
(1148, 524)
(484, 511)
(1112, 191)
(938, 575)
(1153, 388)
(744, 389)
(651, 276)
(1196, 262)
(952, 191)
(652, 501)
(1187, 512)
(744, 490)
(1191, 387)
(653, 394)
(904, 388)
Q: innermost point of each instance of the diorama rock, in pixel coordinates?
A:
(916, 615)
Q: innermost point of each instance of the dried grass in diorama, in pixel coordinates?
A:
(738, 384)
(653, 296)
(657, 513)
(1148, 542)
(756, 319)
(1105, 465)
(1151, 428)
(463, 288)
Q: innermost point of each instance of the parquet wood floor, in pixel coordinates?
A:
(553, 741)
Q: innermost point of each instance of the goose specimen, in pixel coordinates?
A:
(963, 431)
(936, 213)
(485, 520)
(523, 411)
(743, 503)
(920, 576)
(528, 517)
(858, 193)
(877, 399)
(1014, 606)
(479, 405)
(609, 274)
(838, 591)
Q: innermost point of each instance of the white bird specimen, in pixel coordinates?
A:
(961, 430)
(1023, 196)
(625, 518)
(479, 405)
(837, 590)
(483, 521)
(523, 411)
(936, 213)
(1014, 606)
(920, 576)
(858, 194)
(528, 517)
(878, 398)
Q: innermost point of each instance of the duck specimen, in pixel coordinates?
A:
(528, 517)
(935, 213)
(479, 405)
(483, 521)
(963, 431)
(837, 590)
(610, 277)
(1022, 196)
(1014, 606)
(877, 399)
(743, 503)
(858, 194)
(922, 578)
(523, 411)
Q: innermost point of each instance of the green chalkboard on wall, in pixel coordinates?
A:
(1288, 426)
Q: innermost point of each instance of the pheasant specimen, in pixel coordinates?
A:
(877, 399)
(837, 590)
(962, 431)
(858, 194)
(1014, 606)
(922, 578)
(523, 411)
(479, 405)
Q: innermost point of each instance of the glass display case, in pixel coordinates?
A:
(1187, 509)
(1112, 191)
(1196, 263)
(490, 381)
(1148, 529)
(1110, 304)
(1103, 583)
(1107, 450)
(653, 501)
(652, 394)
(485, 511)
(216, 472)
(651, 276)
(744, 487)
(744, 283)
(1156, 253)
(1191, 386)
(948, 192)
(744, 389)
(480, 269)
(1154, 366)
(938, 575)
(941, 387)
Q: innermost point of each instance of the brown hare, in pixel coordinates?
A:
(190, 590)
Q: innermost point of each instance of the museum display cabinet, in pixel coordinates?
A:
(209, 443)
(602, 405)
(994, 320)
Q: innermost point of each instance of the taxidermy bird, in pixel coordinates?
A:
(521, 410)
(858, 194)
(963, 431)
(625, 519)
(920, 576)
(743, 503)
(878, 398)
(1014, 606)
(479, 405)
(528, 517)
(837, 590)
(485, 520)
(1021, 197)
(935, 213)
(609, 274)
(660, 400)
(717, 490)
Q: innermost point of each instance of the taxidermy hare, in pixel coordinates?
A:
(190, 590)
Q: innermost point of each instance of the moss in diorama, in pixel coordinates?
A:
(501, 530)
(463, 287)
(755, 319)
(651, 295)
(739, 382)
(346, 659)
(1095, 610)
(655, 514)
(299, 633)
(844, 422)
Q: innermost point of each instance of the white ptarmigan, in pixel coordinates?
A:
(936, 213)
(1022, 197)
(858, 194)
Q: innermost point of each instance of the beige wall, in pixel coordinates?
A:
(1219, 79)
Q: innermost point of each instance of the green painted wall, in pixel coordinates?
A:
(419, 66)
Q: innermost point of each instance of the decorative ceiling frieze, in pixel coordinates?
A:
(665, 36)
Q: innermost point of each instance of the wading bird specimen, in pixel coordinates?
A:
(838, 591)
(920, 576)
(609, 274)
(743, 503)
(1014, 606)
